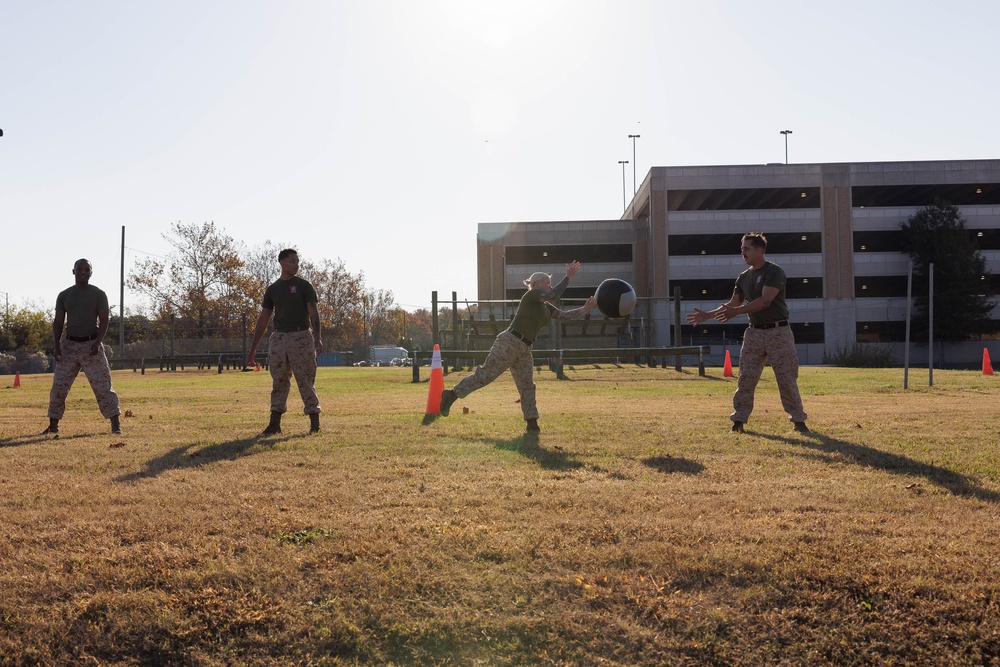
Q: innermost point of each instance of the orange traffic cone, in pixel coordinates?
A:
(436, 385)
(987, 366)
(17, 377)
(258, 367)
(727, 368)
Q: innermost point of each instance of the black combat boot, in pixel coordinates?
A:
(448, 397)
(314, 422)
(532, 426)
(53, 428)
(116, 425)
(274, 426)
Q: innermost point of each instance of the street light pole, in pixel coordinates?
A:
(635, 187)
(623, 163)
(786, 133)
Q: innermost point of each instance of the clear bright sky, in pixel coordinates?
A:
(382, 131)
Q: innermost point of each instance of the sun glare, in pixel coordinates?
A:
(494, 54)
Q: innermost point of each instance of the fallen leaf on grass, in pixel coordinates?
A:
(465, 410)
(129, 413)
(116, 445)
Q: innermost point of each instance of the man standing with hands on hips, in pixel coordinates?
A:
(760, 294)
(296, 341)
(83, 311)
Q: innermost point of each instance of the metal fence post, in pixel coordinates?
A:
(677, 327)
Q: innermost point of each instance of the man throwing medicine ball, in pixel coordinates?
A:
(760, 293)
(512, 348)
(292, 347)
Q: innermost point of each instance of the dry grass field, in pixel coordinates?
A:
(634, 530)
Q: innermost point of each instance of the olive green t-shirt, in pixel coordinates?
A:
(750, 285)
(82, 307)
(288, 299)
(533, 313)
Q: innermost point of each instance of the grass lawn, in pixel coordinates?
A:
(634, 530)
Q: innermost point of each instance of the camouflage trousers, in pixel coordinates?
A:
(511, 353)
(76, 357)
(760, 346)
(291, 354)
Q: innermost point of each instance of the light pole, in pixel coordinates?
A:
(786, 133)
(635, 187)
(623, 163)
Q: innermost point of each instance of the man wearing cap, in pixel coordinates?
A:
(512, 348)
(82, 311)
(760, 294)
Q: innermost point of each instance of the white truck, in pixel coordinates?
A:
(387, 355)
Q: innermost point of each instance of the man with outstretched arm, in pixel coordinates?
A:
(512, 348)
(760, 294)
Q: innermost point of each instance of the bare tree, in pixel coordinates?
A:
(341, 308)
(203, 279)
(383, 323)
(261, 266)
(212, 280)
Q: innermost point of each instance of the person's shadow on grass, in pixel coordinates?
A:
(35, 438)
(190, 456)
(528, 445)
(671, 464)
(896, 464)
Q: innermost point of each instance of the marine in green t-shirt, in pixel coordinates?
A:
(83, 315)
(512, 348)
(289, 300)
(293, 347)
(759, 294)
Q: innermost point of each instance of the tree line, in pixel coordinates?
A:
(210, 283)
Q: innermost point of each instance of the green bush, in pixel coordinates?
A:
(862, 355)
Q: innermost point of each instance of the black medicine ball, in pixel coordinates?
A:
(615, 298)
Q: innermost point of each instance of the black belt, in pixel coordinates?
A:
(520, 336)
(82, 339)
(293, 330)
(770, 325)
